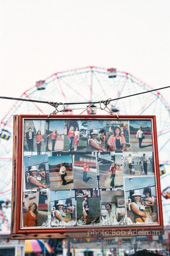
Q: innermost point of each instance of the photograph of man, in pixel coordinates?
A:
(138, 163)
(140, 136)
(110, 170)
(35, 209)
(36, 172)
(129, 160)
(85, 171)
(88, 209)
(34, 134)
(63, 208)
(112, 212)
(61, 174)
(145, 165)
(117, 136)
(140, 200)
(75, 136)
(30, 137)
(54, 135)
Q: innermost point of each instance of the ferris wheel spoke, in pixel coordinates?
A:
(99, 83)
(120, 90)
(62, 91)
(34, 103)
(76, 92)
(146, 106)
(164, 144)
(162, 132)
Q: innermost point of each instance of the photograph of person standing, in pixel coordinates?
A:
(29, 137)
(63, 173)
(38, 142)
(53, 137)
(60, 171)
(139, 136)
(88, 209)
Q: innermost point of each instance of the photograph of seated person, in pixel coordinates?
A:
(94, 143)
(60, 214)
(33, 180)
(63, 208)
(140, 200)
(116, 141)
(137, 208)
(113, 207)
(109, 214)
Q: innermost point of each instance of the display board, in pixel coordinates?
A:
(83, 176)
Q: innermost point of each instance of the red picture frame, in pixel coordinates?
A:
(128, 173)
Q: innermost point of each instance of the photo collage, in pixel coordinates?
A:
(88, 173)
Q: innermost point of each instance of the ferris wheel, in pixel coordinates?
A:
(87, 84)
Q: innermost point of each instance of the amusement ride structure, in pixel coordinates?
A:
(88, 85)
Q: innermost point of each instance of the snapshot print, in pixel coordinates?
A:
(63, 210)
(117, 136)
(34, 136)
(96, 136)
(75, 136)
(35, 208)
(112, 207)
(85, 171)
(60, 172)
(141, 200)
(36, 172)
(54, 135)
(110, 170)
(140, 136)
(88, 207)
(139, 163)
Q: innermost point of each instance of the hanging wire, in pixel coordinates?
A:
(105, 102)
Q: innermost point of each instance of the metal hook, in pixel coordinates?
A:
(55, 105)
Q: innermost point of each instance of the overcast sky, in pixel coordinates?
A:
(38, 38)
